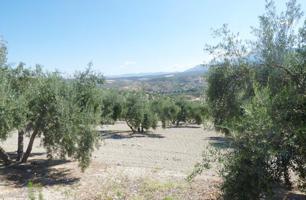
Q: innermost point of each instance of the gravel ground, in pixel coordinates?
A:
(153, 165)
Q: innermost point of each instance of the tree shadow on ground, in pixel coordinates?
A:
(13, 155)
(38, 171)
(220, 142)
(294, 196)
(185, 126)
(117, 134)
(285, 194)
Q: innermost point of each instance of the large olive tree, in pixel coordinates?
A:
(257, 96)
(62, 112)
(65, 114)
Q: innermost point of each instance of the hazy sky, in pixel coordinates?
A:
(120, 36)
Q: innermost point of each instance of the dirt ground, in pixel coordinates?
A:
(153, 165)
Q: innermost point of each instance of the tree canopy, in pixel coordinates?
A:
(62, 112)
(256, 95)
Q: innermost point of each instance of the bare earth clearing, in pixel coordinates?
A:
(152, 165)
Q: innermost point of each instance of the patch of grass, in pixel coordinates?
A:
(151, 188)
(142, 189)
(33, 189)
(168, 198)
(152, 185)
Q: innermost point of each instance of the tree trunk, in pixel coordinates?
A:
(163, 124)
(30, 145)
(131, 127)
(5, 157)
(20, 145)
(138, 130)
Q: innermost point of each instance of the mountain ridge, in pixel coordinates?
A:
(195, 69)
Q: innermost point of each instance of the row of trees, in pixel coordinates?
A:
(257, 97)
(64, 112)
(142, 112)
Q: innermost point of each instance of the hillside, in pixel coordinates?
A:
(190, 81)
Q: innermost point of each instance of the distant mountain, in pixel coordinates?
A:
(198, 68)
(193, 70)
(139, 74)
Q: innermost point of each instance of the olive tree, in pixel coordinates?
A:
(7, 109)
(112, 106)
(63, 113)
(260, 103)
(166, 110)
(138, 114)
(13, 102)
(183, 113)
(198, 113)
(22, 81)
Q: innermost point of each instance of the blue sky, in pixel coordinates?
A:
(120, 36)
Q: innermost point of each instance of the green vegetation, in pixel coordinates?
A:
(166, 109)
(33, 189)
(138, 114)
(142, 112)
(63, 113)
(256, 96)
(146, 189)
(112, 106)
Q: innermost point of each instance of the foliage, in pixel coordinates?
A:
(198, 113)
(190, 111)
(63, 113)
(3, 53)
(257, 96)
(209, 156)
(32, 190)
(166, 109)
(228, 87)
(138, 114)
(112, 106)
(7, 106)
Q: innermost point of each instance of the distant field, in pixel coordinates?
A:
(152, 165)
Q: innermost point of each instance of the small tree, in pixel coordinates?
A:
(112, 106)
(149, 118)
(184, 110)
(166, 109)
(138, 114)
(198, 112)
